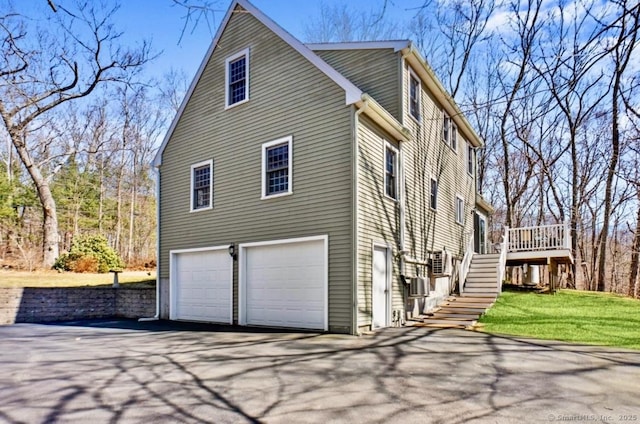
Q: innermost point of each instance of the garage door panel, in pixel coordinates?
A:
(285, 284)
(203, 286)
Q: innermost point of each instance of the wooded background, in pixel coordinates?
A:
(550, 86)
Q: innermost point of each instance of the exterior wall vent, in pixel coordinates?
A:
(437, 264)
(418, 287)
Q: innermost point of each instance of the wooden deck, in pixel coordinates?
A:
(483, 273)
(541, 245)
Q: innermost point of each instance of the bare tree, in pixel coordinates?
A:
(626, 25)
(632, 288)
(567, 62)
(461, 28)
(527, 25)
(47, 64)
(339, 22)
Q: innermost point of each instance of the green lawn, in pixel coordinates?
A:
(70, 279)
(574, 316)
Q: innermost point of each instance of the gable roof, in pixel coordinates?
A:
(427, 75)
(396, 45)
(419, 65)
(352, 93)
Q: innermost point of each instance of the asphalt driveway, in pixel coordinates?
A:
(128, 372)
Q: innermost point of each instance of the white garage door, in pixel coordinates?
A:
(285, 284)
(202, 286)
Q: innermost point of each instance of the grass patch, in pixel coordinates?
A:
(574, 316)
(132, 279)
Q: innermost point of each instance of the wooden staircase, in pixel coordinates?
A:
(479, 293)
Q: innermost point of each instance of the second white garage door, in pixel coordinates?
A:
(201, 285)
(284, 283)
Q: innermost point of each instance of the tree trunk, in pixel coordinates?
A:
(608, 194)
(50, 248)
(635, 252)
(132, 217)
(573, 218)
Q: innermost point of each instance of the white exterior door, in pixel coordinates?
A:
(284, 284)
(202, 285)
(380, 291)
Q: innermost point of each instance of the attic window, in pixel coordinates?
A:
(446, 127)
(237, 79)
(414, 96)
(449, 132)
(470, 159)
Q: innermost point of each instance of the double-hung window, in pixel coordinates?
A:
(433, 200)
(453, 142)
(202, 186)
(459, 210)
(237, 78)
(446, 127)
(414, 96)
(449, 131)
(470, 158)
(391, 172)
(277, 167)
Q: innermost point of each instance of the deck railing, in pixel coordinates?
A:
(466, 262)
(545, 237)
(502, 260)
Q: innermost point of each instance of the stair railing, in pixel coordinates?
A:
(502, 260)
(466, 264)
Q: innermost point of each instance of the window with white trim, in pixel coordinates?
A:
(433, 199)
(237, 78)
(470, 159)
(454, 137)
(202, 186)
(414, 95)
(391, 172)
(449, 131)
(277, 167)
(459, 210)
(446, 127)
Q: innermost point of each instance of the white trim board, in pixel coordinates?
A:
(396, 45)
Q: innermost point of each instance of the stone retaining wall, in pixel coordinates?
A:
(63, 304)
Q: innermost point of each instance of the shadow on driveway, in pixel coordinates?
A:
(121, 371)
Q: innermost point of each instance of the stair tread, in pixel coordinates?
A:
(476, 312)
(466, 300)
(447, 315)
(445, 322)
(463, 304)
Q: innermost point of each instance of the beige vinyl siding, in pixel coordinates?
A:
(426, 231)
(288, 96)
(425, 156)
(374, 71)
(378, 217)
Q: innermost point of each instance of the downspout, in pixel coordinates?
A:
(401, 210)
(356, 170)
(157, 315)
(401, 189)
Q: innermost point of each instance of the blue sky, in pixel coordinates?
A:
(162, 22)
